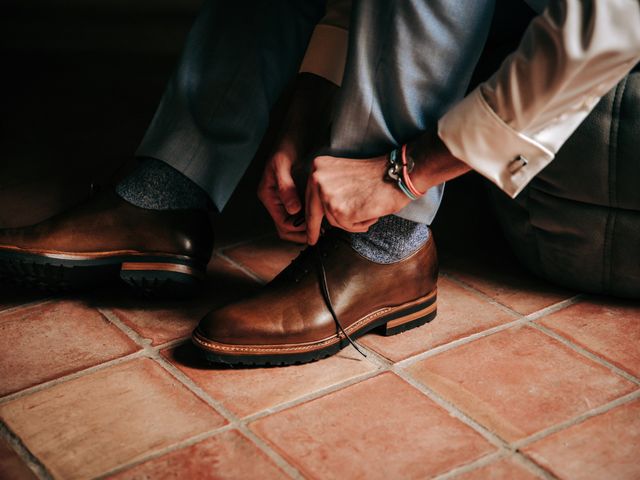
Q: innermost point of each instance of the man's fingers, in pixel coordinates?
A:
(275, 209)
(294, 224)
(286, 185)
(269, 196)
(314, 212)
(332, 219)
(285, 223)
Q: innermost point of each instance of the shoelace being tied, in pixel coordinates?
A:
(300, 268)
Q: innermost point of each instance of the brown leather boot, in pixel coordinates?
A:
(154, 251)
(327, 297)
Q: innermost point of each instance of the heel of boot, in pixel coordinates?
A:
(411, 319)
(157, 279)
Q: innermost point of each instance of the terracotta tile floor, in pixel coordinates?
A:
(515, 379)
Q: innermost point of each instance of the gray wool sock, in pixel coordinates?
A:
(157, 186)
(390, 239)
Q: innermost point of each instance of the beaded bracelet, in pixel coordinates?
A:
(399, 168)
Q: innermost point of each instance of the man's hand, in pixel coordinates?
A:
(277, 192)
(305, 128)
(350, 193)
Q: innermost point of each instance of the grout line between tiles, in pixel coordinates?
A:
(505, 450)
(480, 294)
(524, 442)
(30, 460)
(126, 329)
(145, 457)
(172, 343)
(453, 410)
(312, 396)
(532, 466)
(234, 421)
(243, 268)
(72, 376)
(586, 353)
(503, 447)
(480, 462)
(398, 368)
(531, 316)
(155, 354)
(522, 320)
(543, 312)
(23, 306)
(460, 341)
(388, 366)
(230, 417)
(195, 388)
(271, 452)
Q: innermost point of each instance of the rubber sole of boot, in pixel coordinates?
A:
(148, 275)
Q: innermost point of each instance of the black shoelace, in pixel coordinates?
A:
(304, 263)
(324, 286)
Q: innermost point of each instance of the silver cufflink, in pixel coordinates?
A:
(517, 163)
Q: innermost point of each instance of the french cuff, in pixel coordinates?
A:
(475, 134)
(327, 53)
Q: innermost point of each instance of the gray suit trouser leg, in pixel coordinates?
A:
(238, 58)
(408, 62)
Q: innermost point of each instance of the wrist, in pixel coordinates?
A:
(434, 163)
(419, 152)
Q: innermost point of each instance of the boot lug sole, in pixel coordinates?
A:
(152, 275)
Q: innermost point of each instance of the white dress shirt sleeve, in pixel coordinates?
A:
(326, 53)
(510, 127)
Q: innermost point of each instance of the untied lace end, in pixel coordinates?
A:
(327, 298)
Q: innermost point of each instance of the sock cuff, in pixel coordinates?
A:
(390, 239)
(156, 185)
